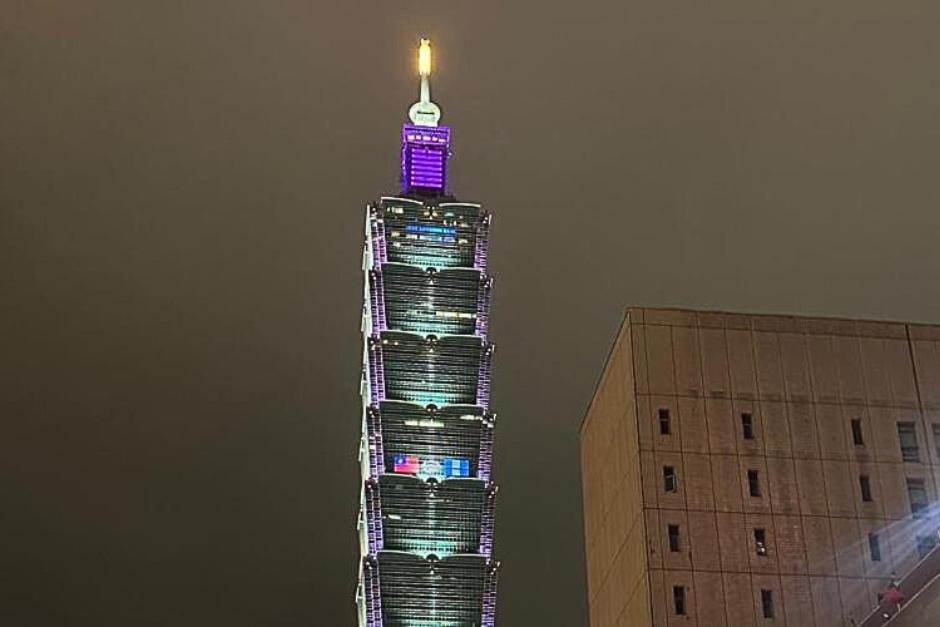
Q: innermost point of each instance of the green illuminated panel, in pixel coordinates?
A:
(450, 432)
(419, 593)
(442, 372)
(432, 303)
(439, 519)
(432, 237)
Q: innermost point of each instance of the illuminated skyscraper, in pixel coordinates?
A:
(426, 507)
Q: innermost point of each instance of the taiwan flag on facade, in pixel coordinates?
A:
(406, 464)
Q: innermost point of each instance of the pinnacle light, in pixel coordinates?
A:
(424, 58)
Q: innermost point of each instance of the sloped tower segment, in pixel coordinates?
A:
(427, 498)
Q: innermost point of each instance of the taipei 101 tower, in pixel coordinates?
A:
(427, 496)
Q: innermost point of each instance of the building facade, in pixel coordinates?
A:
(427, 498)
(750, 469)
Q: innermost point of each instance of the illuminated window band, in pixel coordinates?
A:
(430, 467)
(430, 519)
(453, 590)
(453, 431)
(428, 371)
(427, 503)
(462, 246)
(452, 301)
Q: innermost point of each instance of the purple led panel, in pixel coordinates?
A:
(489, 597)
(424, 152)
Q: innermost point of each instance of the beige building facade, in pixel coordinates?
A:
(751, 469)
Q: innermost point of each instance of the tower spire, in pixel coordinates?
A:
(425, 146)
(424, 112)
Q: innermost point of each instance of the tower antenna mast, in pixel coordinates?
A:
(424, 112)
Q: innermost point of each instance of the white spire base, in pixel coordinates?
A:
(424, 112)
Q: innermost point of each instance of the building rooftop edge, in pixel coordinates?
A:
(784, 322)
(624, 323)
(760, 321)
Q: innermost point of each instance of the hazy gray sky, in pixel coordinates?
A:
(181, 203)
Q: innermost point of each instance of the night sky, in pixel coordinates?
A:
(181, 206)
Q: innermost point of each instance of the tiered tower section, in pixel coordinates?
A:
(426, 513)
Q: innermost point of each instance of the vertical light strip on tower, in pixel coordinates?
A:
(427, 500)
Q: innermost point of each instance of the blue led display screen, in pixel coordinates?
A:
(456, 467)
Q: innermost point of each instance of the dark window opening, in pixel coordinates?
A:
(670, 483)
(925, 545)
(760, 541)
(767, 602)
(664, 421)
(936, 440)
(874, 547)
(907, 437)
(917, 494)
(747, 426)
(673, 538)
(753, 483)
(865, 485)
(678, 598)
(857, 432)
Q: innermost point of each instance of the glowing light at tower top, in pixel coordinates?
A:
(424, 58)
(424, 112)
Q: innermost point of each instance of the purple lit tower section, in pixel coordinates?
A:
(427, 500)
(424, 152)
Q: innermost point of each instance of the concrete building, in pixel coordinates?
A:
(750, 469)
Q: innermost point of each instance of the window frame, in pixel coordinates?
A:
(864, 485)
(907, 429)
(935, 427)
(919, 509)
(924, 544)
(760, 541)
(674, 540)
(753, 483)
(747, 425)
(767, 602)
(670, 479)
(665, 421)
(858, 437)
(874, 547)
(678, 600)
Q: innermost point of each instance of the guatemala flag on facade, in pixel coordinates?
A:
(456, 467)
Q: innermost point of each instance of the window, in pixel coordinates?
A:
(664, 421)
(874, 547)
(865, 484)
(753, 483)
(857, 432)
(670, 483)
(907, 436)
(760, 541)
(925, 545)
(936, 439)
(767, 602)
(673, 538)
(747, 426)
(678, 599)
(917, 494)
